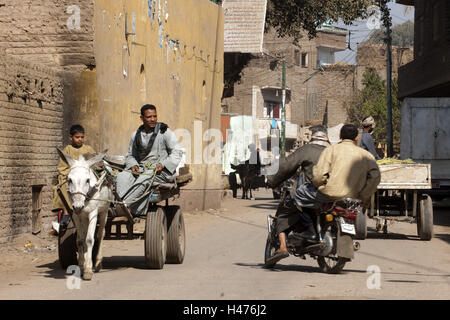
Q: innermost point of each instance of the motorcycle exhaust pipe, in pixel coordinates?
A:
(356, 245)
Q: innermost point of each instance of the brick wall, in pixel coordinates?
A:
(37, 31)
(31, 117)
(336, 85)
(43, 32)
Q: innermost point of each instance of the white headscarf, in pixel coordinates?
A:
(320, 138)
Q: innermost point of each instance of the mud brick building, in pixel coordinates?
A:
(31, 120)
(111, 57)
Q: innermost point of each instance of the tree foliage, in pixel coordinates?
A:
(402, 34)
(371, 101)
(290, 17)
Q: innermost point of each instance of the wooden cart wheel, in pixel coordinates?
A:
(425, 218)
(361, 224)
(67, 246)
(155, 238)
(176, 237)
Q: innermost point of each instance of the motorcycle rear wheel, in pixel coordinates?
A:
(331, 265)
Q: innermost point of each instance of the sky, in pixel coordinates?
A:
(360, 32)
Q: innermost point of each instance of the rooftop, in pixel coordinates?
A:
(332, 29)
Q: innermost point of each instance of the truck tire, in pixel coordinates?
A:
(361, 224)
(155, 238)
(425, 218)
(67, 246)
(176, 236)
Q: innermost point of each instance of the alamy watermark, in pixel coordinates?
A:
(374, 280)
(208, 147)
(74, 280)
(374, 20)
(74, 21)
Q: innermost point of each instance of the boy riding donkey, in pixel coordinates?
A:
(77, 148)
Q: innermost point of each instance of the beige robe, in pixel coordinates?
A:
(346, 170)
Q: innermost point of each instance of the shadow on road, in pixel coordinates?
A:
(120, 262)
(372, 233)
(441, 217)
(113, 263)
(272, 206)
(404, 281)
(54, 270)
(443, 237)
(281, 267)
(124, 236)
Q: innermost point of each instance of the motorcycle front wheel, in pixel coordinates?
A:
(331, 265)
(269, 252)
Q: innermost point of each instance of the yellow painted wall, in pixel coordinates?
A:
(185, 84)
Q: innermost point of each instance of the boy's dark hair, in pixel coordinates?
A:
(76, 128)
(348, 131)
(147, 107)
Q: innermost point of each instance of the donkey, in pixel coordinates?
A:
(81, 187)
(247, 173)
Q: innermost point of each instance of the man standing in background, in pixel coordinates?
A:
(367, 143)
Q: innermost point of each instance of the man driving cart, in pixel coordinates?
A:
(153, 156)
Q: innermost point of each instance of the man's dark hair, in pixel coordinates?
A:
(76, 128)
(147, 107)
(319, 127)
(348, 131)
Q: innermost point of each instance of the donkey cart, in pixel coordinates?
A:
(164, 235)
(400, 196)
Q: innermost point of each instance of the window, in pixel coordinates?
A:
(297, 57)
(304, 60)
(272, 109)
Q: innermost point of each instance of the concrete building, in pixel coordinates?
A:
(429, 74)
(313, 80)
(112, 57)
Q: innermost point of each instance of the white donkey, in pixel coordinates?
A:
(81, 187)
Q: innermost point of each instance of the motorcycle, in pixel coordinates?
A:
(335, 231)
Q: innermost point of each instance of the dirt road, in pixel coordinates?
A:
(224, 260)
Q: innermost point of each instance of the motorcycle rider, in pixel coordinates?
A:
(297, 166)
(343, 170)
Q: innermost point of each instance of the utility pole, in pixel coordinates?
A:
(283, 111)
(387, 24)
